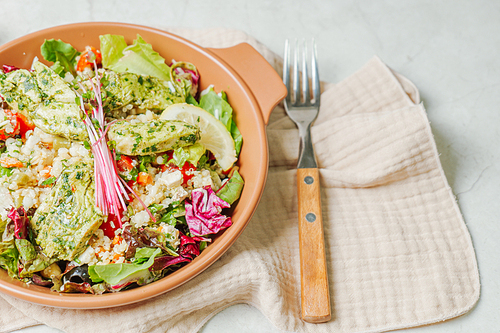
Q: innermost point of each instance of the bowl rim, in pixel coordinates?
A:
(84, 301)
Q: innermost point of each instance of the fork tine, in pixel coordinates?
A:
(305, 77)
(314, 74)
(296, 79)
(286, 70)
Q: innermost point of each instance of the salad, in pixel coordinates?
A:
(114, 169)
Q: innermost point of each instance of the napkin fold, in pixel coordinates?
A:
(398, 251)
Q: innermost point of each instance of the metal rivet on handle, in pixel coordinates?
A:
(310, 217)
(308, 180)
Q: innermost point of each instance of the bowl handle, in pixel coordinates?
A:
(265, 84)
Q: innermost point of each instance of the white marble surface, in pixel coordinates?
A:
(448, 49)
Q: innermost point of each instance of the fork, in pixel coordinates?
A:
(315, 298)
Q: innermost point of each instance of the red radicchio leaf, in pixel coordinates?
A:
(20, 221)
(190, 251)
(143, 237)
(39, 281)
(130, 239)
(194, 77)
(151, 238)
(69, 266)
(118, 287)
(189, 248)
(9, 68)
(203, 212)
(161, 263)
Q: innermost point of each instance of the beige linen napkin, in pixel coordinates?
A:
(399, 254)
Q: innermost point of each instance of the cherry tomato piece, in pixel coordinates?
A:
(25, 124)
(113, 223)
(125, 163)
(186, 170)
(87, 58)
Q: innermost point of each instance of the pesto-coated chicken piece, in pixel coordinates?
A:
(20, 90)
(46, 99)
(142, 91)
(58, 114)
(67, 219)
(155, 136)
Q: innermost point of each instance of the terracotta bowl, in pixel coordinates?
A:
(253, 89)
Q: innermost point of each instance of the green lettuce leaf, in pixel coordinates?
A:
(173, 214)
(113, 274)
(26, 249)
(154, 208)
(138, 58)
(39, 263)
(195, 151)
(62, 54)
(144, 253)
(218, 106)
(168, 218)
(191, 100)
(191, 154)
(93, 275)
(112, 47)
(237, 137)
(9, 256)
(59, 69)
(179, 157)
(231, 191)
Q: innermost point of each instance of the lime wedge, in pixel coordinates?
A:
(214, 135)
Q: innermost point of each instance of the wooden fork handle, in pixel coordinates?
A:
(315, 296)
